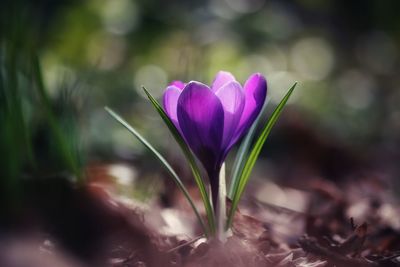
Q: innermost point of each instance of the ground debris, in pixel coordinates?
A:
(96, 228)
(347, 253)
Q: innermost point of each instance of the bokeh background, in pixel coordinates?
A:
(343, 120)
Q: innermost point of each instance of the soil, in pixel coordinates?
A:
(63, 224)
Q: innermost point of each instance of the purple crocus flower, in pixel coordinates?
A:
(212, 119)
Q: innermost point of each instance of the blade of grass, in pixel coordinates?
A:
(60, 137)
(189, 157)
(243, 152)
(251, 159)
(162, 160)
(11, 128)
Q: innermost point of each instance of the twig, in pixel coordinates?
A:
(185, 244)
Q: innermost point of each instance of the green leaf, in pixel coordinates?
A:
(162, 160)
(189, 157)
(242, 154)
(252, 157)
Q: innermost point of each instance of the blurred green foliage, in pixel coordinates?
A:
(39, 134)
(344, 53)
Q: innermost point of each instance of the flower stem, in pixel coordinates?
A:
(221, 205)
(214, 188)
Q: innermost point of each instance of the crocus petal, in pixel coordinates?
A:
(232, 99)
(255, 90)
(222, 78)
(170, 103)
(201, 118)
(178, 84)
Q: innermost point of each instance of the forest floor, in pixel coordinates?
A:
(354, 224)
